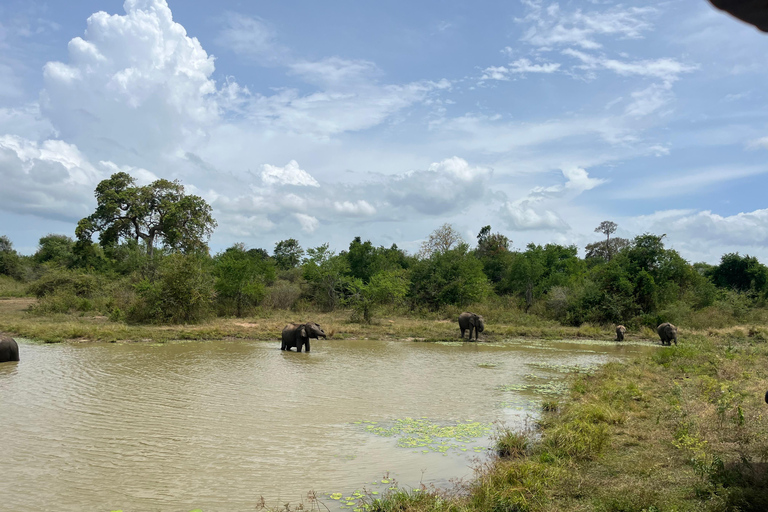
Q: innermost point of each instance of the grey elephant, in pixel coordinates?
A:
(471, 321)
(667, 333)
(9, 349)
(297, 335)
(620, 330)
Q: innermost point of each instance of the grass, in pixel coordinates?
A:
(267, 324)
(685, 429)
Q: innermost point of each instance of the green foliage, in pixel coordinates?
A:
(451, 277)
(740, 273)
(77, 283)
(386, 287)
(288, 254)
(181, 292)
(56, 250)
(242, 277)
(160, 211)
(328, 277)
(10, 262)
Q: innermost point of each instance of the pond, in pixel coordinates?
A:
(219, 425)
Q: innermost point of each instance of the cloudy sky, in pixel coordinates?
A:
(322, 121)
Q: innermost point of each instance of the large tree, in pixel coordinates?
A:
(158, 212)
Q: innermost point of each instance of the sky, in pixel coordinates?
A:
(323, 121)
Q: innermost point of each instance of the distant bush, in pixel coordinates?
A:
(59, 280)
(181, 292)
(282, 295)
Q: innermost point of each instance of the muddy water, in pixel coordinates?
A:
(218, 425)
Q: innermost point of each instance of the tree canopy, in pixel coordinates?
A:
(158, 212)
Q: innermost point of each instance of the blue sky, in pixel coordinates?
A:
(323, 121)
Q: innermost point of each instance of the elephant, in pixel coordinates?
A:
(297, 335)
(667, 333)
(620, 330)
(9, 349)
(766, 397)
(471, 321)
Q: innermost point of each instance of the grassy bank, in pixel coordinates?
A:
(16, 319)
(685, 429)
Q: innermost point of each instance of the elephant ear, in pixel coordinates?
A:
(303, 331)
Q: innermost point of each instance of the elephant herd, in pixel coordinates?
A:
(667, 332)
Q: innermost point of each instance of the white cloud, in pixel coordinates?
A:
(520, 66)
(251, 37)
(552, 26)
(336, 72)
(579, 180)
(52, 179)
(649, 100)
(360, 208)
(758, 143)
(520, 216)
(291, 174)
(140, 68)
(308, 222)
(665, 68)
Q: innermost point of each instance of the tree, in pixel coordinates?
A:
(493, 251)
(328, 276)
(58, 249)
(10, 262)
(242, 276)
(607, 228)
(453, 277)
(288, 254)
(158, 212)
(440, 240)
(385, 287)
(605, 250)
(741, 273)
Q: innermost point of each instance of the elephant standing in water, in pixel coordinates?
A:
(471, 321)
(620, 330)
(9, 349)
(667, 333)
(297, 335)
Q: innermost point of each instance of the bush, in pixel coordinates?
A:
(282, 295)
(76, 283)
(182, 292)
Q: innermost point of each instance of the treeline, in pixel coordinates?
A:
(639, 282)
(152, 264)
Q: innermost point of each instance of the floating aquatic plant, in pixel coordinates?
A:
(422, 433)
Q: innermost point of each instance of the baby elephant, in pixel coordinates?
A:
(471, 321)
(667, 333)
(620, 330)
(9, 350)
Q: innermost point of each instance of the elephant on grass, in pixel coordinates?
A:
(9, 349)
(471, 321)
(667, 333)
(297, 335)
(620, 330)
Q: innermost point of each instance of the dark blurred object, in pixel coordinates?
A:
(754, 12)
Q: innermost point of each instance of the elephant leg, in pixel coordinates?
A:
(462, 333)
(307, 344)
(282, 346)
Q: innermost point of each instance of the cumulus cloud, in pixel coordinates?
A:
(536, 210)
(136, 82)
(308, 223)
(52, 179)
(291, 174)
(521, 216)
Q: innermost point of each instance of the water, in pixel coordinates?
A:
(218, 425)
